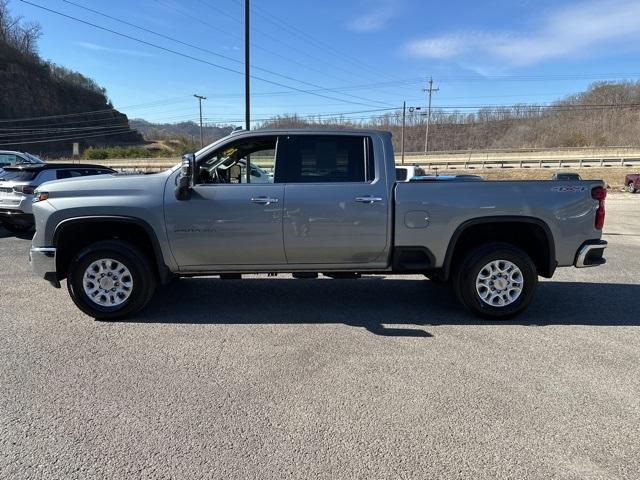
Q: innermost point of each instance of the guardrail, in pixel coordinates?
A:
(530, 163)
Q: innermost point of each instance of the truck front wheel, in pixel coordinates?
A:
(110, 279)
(496, 281)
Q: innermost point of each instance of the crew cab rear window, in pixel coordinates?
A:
(328, 159)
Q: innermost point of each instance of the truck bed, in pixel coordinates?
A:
(427, 212)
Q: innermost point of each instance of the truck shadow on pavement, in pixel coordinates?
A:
(389, 307)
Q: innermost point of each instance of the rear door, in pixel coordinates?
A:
(336, 201)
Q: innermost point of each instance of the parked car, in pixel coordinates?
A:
(404, 173)
(9, 158)
(334, 207)
(18, 182)
(566, 176)
(632, 182)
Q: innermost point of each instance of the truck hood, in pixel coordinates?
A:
(105, 185)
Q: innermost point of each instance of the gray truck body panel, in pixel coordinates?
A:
(315, 226)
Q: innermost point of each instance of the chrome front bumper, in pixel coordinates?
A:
(43, 263)
(590, 254)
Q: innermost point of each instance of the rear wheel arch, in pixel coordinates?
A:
(530, 234)
(74, 234)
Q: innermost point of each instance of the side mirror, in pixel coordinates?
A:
(187, 177)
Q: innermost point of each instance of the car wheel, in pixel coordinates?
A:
(110, 280)
(18, 228)
(631, 188)
(496, 281)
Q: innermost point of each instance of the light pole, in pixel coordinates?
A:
(404, 116)
(200, 99)
(247, 68)
(430, 90)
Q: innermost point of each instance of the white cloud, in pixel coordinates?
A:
(379, 13)
(580, 29)
(120, 51)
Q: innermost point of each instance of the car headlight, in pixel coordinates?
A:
(40, 196)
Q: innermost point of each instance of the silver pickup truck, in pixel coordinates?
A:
(331, 205)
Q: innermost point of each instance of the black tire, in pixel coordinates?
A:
(18, 227)
(138, 264)
(467, 271)
(631, 188)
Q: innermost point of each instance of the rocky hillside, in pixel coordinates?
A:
(45, 108)
(184, 130)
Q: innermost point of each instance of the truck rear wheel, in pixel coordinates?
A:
(631, 188)
(496, 281)
(110, 279)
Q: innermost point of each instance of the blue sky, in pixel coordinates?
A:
(356, 55)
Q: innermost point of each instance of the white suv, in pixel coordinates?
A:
(9, 158)
(17, 184)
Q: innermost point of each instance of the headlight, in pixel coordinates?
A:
(40, 196)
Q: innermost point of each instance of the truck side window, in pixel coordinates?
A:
(329, 159)
(228, 165)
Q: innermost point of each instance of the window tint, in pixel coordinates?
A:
(324, 158)
(7, 159)
(78, 172)
(228, 165)
(401, 174)
(17, 175)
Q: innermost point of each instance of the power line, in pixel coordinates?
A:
(202, 49)
(60, 139)
(293, 47)
(257, 46)
(310, 39)
(185, 55)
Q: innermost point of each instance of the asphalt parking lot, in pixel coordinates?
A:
(283, 378)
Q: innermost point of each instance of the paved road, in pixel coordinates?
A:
(282, 378)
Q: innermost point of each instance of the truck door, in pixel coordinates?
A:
(229, 221)
(336, 208)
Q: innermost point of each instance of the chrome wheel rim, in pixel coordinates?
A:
(107, 282)
(499, 283)
(630, 188)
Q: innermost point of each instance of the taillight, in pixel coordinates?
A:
(26, 189)
(600, 194)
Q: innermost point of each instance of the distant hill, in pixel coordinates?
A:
(606, 114)
(186, 130)
(57, 106)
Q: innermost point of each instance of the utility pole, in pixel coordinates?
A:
(430, 90)
(247, 69)
(200, 98)
(404, 117)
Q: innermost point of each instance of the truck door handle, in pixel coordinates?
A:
(264, 200)
(369, 199)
